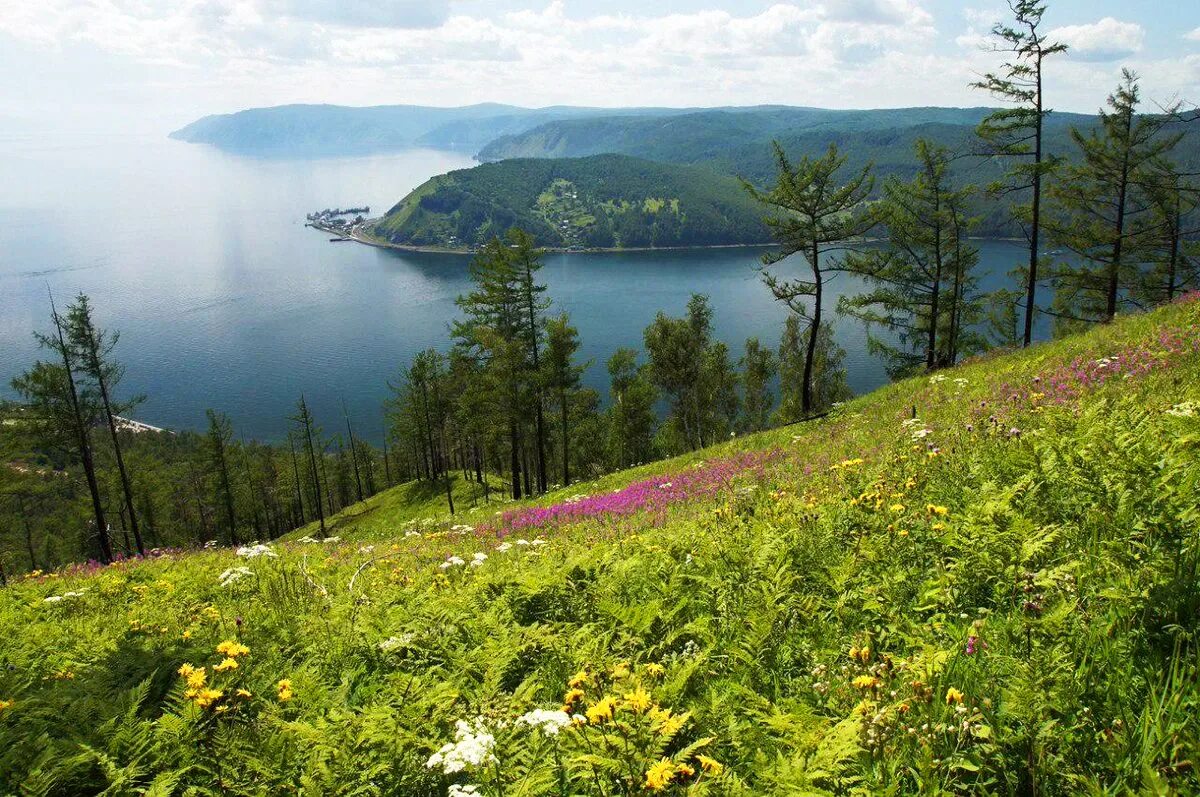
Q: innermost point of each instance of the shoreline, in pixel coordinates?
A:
(357, 235)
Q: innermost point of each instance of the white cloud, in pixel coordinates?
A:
(1106, 40)
(1193, 35)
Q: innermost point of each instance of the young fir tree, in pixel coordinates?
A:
(631, 418)
(63, 416)
(1172, 251)
(495, 335)
(309, 435)
(354, 452)
(219, 439)
(677, 349)
(562, 378)
(100, 373)
(828, 372)
(527, 261)
(758, 368)
(1016, 134)
(920, 281)
(814, 213)
(1102, 214)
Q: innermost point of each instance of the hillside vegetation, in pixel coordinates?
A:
(608, 201)
(984, 581)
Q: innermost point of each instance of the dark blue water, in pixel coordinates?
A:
(225, 300)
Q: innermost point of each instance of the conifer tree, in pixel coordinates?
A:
(64, 415)
(758, 367)
(562, 377)
(814, 214)
(828, 372)
(309, 435)
(219, 439)
(917, 282)
(1102, 214)
(631, 418)
(1017, 133)
(101, 373)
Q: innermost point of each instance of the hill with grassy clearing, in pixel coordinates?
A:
(602, 201)
(982, 581)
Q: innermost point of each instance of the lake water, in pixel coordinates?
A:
(224, 299)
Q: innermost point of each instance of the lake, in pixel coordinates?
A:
(225, 300)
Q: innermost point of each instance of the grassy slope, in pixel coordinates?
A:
(1007, 601)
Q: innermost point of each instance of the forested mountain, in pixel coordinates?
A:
(319, 130)
(598, 201)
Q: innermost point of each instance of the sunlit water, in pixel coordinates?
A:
(224, 299)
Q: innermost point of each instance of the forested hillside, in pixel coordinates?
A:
(599, 201)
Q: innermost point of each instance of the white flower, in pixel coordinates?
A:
(472, 747)
(466, 790)
(453, 561)
(522, 542)
(52, 599)
(478, 559)
(412, 534)
(394, 642)
(504, 546)
(1187, 409)
(208, 546)
(921, 434)
(254, 551)
(937, 379)
(538, 541)
(550, 721)
(331, 539)
(367, 549)
(308, 539)
(234, 574)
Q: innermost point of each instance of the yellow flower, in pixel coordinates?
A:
(578, 679)
(897, 508)
(571, 696)
(602, 710)
(621, 670)
(860, 654)
(244, 693)
(7, 704)
(934, 509)
(865, 682)
(186, 635)
(710, 765)
(232, 648)
(655, 670)
(659, 776)
(668, 724)
(953, 696)
(227, 664)
(638, 700)
(186, 670)
(285, 690)
(685, 770)
(196, 678)
(206, 697)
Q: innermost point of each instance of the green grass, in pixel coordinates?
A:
(848, 606)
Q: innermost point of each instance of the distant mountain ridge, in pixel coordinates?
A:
(325, 130)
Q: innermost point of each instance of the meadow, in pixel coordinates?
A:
(984, 581)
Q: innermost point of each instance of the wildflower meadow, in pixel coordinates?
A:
(979, 582)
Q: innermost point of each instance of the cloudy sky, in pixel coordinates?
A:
(151, 65)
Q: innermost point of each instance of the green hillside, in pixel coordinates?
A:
(980, 582)
(607, 201)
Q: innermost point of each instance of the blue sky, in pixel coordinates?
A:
(151, 66)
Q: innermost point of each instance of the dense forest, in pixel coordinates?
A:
(602, 201)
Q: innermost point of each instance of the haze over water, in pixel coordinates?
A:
(225, 300)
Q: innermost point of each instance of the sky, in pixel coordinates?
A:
(145, 66)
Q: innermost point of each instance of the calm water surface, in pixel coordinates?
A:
(224, 299)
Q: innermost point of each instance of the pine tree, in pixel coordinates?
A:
(101, 373)
(219, 438)
(1017, 133)
(631, 418)
(758, 367)
(562, 377)
(917, 283)
(1172, 251)
(813, 213)
(1102, 215)
(64, 415)
(310, 434)
(828, 372)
